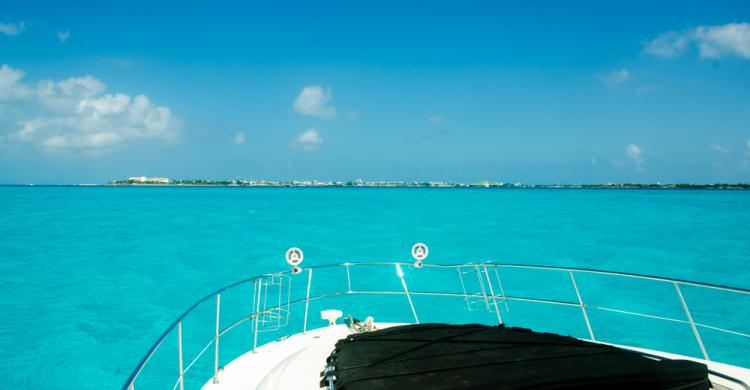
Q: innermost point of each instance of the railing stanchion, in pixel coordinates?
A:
(179, 354)
(463, 287)
(348, 279)
(494, 300)
(400, 274)
(307, 299)
(257, 314)
(502, 290)
(690, 320)
(216, 339)
(481, 286)
(583, 307)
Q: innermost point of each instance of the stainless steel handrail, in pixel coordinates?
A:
(509, 298)
(130, 382)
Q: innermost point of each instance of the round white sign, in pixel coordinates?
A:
(294, 256)
(419, 251)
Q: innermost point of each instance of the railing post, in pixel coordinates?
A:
(307, 299)
(502, 290)
(690, 319)
(257, 314)
(400, 274)
(583, 307)
(348, 279)
(494, 300)
(463, 287)
(481, 286)
(216, 340)
(179, 354)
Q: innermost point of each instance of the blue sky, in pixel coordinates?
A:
(539, 92)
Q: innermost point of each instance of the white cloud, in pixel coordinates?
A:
(711, 41)
(12, 29)
(668, 44)
(615, 78)
(68, 93)
(63, 36)
(732, 38)
(100, 123)
(721, 149)
(307, 140)
(436, 119)
(313, 100)
(634, 153)
(10, 86)
(73, 115)
(239, 138)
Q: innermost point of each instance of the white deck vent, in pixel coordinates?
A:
(331, 316)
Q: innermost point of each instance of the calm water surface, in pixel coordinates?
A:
(92, 276)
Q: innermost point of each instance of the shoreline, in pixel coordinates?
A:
(629, 186)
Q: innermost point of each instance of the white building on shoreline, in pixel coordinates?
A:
(144, 179)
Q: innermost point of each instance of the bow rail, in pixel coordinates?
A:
(481, 289)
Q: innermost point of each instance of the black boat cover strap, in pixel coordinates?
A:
(440, 356)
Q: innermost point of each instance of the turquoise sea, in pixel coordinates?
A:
(91, 276)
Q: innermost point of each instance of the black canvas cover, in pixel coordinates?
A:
(439, 356)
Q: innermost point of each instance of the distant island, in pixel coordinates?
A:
(163, 181)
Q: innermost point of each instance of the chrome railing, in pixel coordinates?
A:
(477, 290)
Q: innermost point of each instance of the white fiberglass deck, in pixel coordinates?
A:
(294, 363)
(297, 362)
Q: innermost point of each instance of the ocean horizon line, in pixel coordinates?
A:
(394, 184)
